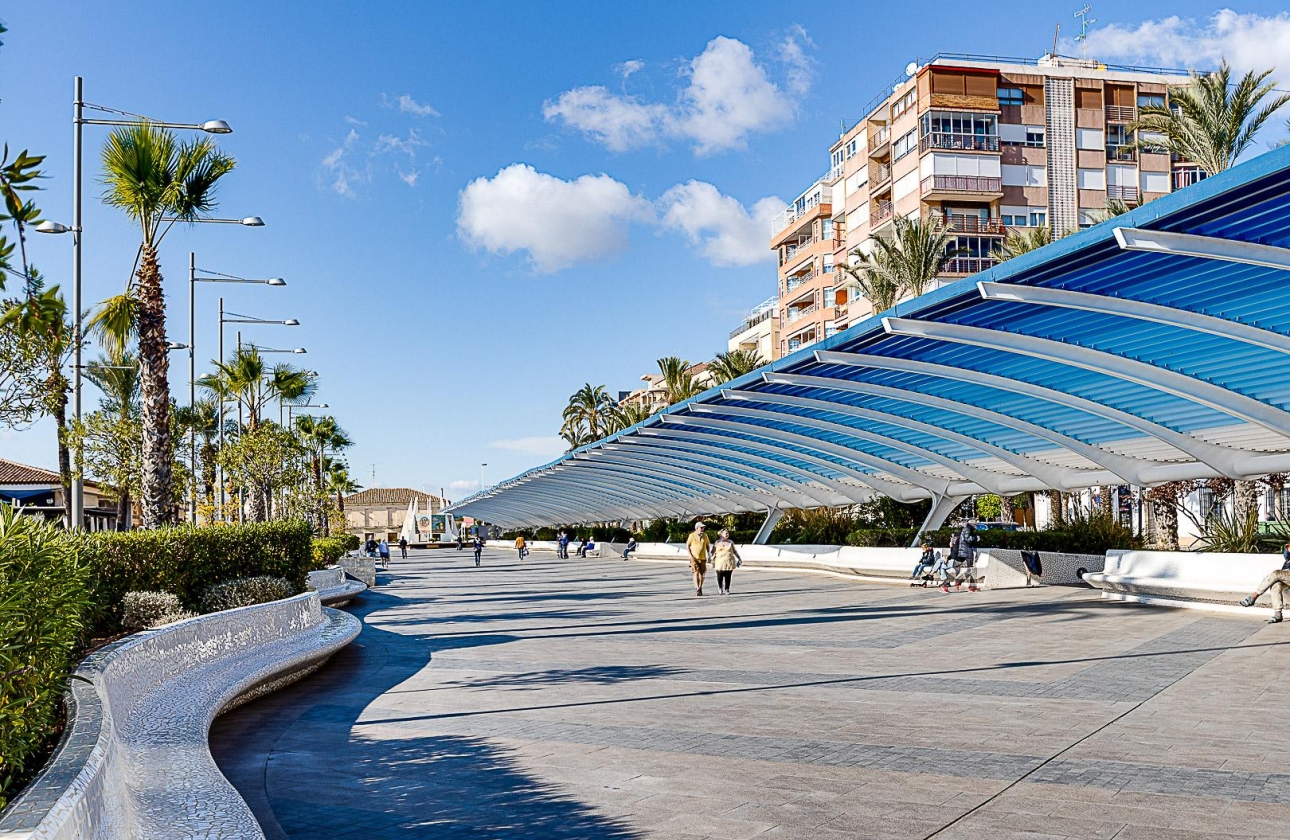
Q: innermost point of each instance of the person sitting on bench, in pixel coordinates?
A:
(631, 546)
(925, 564)
(1278, 580)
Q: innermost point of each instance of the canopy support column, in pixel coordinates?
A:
(942, 507)
(772, 519)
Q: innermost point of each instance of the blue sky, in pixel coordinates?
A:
(480, 206)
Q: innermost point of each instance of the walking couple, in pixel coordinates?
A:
(725, 557)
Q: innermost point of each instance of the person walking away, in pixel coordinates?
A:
(631, 546)
(403, 548)
(460, 543)
(925, 563)
(479, 548)
(725, 559)
(370, 546)
(947, 564)
(966, 567)
(1278, 581)
(520, 546)
(699, 545)
(383, 549)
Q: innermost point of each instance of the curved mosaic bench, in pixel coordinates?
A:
(134, 762)
(358, 566)
(1198, 580)
(333, 588)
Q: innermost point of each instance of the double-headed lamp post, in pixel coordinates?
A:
(79, 121)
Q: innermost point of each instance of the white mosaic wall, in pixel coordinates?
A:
(363, 568)
(333, 587)
(135, 762)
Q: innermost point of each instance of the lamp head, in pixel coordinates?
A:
(175, 345)
(276, 281)
(253, 221)
(291, 322)
(217, 127)
(52, 227)
(299, 350)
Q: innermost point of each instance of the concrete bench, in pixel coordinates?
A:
(1199, 580)
(884, 565)
(333, 587)
(358, 566)
(134, 761)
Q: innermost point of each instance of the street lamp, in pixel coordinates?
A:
(79, 121)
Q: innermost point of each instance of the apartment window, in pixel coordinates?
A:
(1022, 175)
(836, 158)
(1035, 136)
(960, 130)
(826, 229)
(1012, 219)
(1156, 142)
(1091, 179)
(830, 330)
(830, 299)
(1039, 218)
(1011, 96)
(858, 180)
(904, 145)
(851, 148)
(828, 264)
(1087, 218)
(1155, 182)
(904, 103)
(1089, 138)
(1151, 100)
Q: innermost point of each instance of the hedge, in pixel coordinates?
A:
(327, 551)
(1086, 538)
(44, 595)
(187, 561)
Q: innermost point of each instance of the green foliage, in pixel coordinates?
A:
(819, 526)
(1093, 534)
(144, 610)
(734, 364)
(244, 592)
(989, 507)
(1018, 241)
(327, 551)
(352, 542)
(43, 598)
(1229, 533)
(187, 561)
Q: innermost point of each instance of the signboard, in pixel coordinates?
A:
(424, 528)
(439, 523)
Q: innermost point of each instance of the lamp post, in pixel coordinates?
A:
(193, 280)
(237, 319)
(79, 105)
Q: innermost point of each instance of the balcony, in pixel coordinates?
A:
(968, 265)
(1114, 152)
(1129, 195)
(881, 214)
(880, 139)
(792, 249)
(879, 173)
(958, 142)
(953, 185)
(793, 315)
(798, 279)
(763, 312)
(1121, 113)
(1187, 177)
(964, 223)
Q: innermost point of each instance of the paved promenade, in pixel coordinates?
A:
(601, 699)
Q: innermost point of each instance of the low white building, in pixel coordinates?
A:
(759, 330)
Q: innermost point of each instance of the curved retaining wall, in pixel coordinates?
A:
(1198, 580)
(333, 587)
(363, 568)
(134, 761)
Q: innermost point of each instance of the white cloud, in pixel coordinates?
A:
(340, 168)
(724, 230)
(540, 447)
(409, 178)
(405, 145)
(355, 160)
(627, 68)
(463, 488)
(408, 105)
(355, 121)
(1248, 41)
(557, 222)
(727, 97)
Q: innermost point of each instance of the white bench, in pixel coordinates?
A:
(333, 587)
(358, 566)
(134, 762)
(1201, 580)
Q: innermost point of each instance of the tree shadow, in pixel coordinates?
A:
(593, 675)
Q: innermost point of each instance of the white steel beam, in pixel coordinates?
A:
(1205, 247)
(700, 459)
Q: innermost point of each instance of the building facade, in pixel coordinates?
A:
(759, 330)
(653, 395)
(378, 512)
(38, 492)
(982, 146)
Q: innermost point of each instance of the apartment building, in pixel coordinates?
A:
(758, 331)
(982, 145)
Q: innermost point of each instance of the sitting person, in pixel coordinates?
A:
(1278, 580)
(925, 564)
(581, 550)
(631, 546)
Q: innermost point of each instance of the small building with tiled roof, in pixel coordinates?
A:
(378, 512)
(39, 492)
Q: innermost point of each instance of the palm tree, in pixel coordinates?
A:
(155, 180)
(917, 254)
(321, 435)
(734, 364)
(117, 376)
(1114, 207)
(292, 385)
(1211, 121)
(340, 483)
(625, 415)
(876, 278)
(201, 419)
(586, 417)
(1022, 241)
(678, 379)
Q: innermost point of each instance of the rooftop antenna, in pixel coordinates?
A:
(1057, 31)
(373, 475)
(1084, 23)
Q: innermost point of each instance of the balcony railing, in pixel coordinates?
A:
(878, 174)
(797, 280)
(792, 315)
(883, 135)
(1121, 113)
(961, 183)
(964, 223)
(1114, 152)
(962, 142)
(1129, 194)
(880, 215)
(1189, 176)
(790, 251)
(753, 320)
(968, 265)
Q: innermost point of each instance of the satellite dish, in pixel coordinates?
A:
(911, 68)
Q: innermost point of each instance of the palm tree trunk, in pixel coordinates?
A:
(154, 387)
(58, 383)
(1167, 517)
(1056, 508)
(122, 509)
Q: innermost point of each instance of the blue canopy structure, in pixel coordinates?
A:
(1152, 347)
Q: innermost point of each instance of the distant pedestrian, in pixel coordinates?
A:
(581, 549)
(725, 560)
(965, 558)
(562, 546)
(370, 547)
(461, 543)
(1278, 581)
(479, 548)
(383, 549)
(521, 546)
(403, 548)
(700, 546)
(631, 546)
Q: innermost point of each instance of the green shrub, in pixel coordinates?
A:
(187, 561)
(545, 534)
(44, 596)
(145, 610)
(351, 541)
(244, 592)
(327, 551)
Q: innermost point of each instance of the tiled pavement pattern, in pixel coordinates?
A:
(600, 699)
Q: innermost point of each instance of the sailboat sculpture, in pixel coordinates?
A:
(409, 530)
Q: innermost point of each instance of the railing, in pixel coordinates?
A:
(1187, 177)
(797, 280)
(790, 251)
(753, 320)
(1129, 194)
(957, 141)
(968, 265)
(792, 315)
(882, 214)
(831, 176)
(961, 183)
(963, 223)
(1121, 113)
(1121, 152)
(883, 135)
(879, 173)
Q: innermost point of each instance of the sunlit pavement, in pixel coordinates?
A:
(601, 699)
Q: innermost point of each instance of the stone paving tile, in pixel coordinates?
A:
(600, 699)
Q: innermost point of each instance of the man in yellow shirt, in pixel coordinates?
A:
(699, 546)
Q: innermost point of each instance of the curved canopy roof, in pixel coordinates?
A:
(1150, 348)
